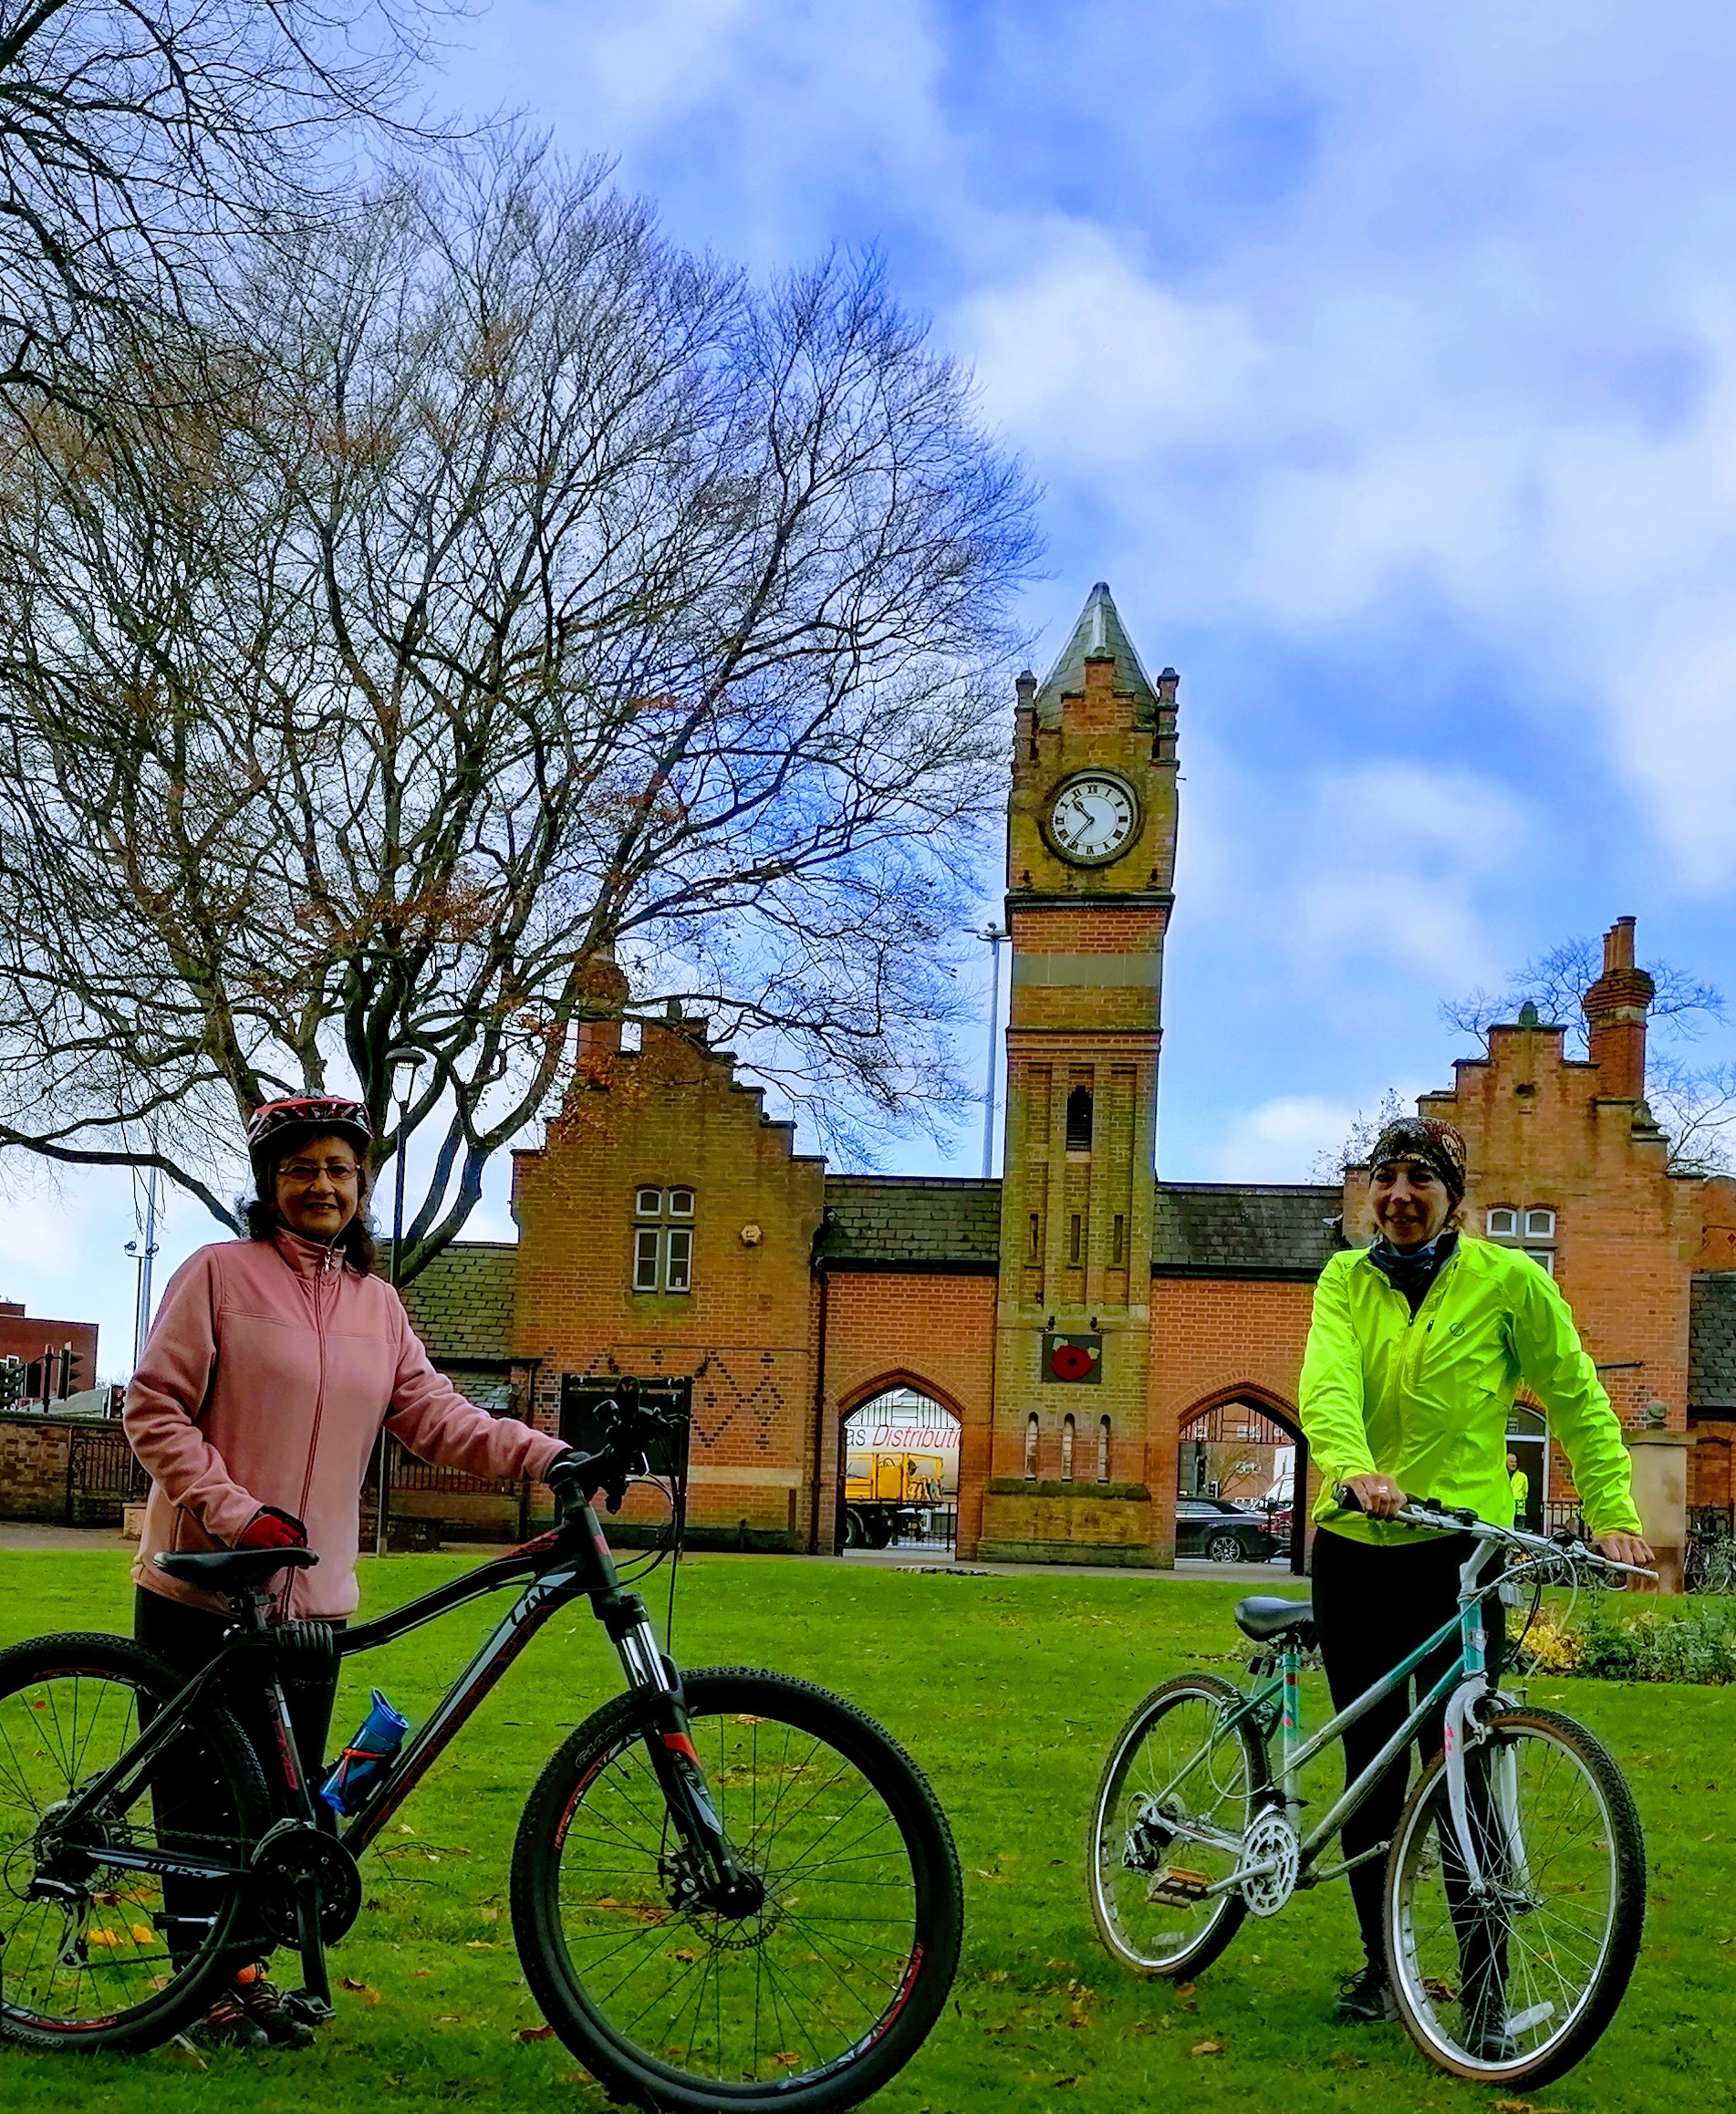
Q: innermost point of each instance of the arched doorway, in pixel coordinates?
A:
(898, 1472)
(1244, 1448)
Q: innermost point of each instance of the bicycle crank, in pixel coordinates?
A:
(290, 1857)
(1271, 1860)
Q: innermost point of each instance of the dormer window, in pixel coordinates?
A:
(663, 1252)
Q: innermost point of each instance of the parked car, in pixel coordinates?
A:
(1214, 1527)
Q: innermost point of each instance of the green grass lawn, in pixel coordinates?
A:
(1007, 1691)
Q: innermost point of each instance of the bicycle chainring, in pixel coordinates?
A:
(1271, 1860)
(289, 1857)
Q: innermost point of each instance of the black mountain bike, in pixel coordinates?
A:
(730, 1889)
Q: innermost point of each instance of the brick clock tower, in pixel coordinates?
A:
(1091, 833)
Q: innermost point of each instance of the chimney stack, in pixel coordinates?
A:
(1614, 1010)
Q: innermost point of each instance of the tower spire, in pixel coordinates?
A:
(1099, 635)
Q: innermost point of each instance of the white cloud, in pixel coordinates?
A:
(1280, 1139)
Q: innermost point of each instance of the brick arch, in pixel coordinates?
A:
(1283, 1413)
(897, 1377)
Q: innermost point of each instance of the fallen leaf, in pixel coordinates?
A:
(787, 2057)
(534, 2033)
(1184, 1989)
(1206, 2048)
(685, 1955)
(447, 2018)
(489, 1916)
(361, 1989)
(107, 1938)
(420, 1973)
(481, 1945)
(142, 1936)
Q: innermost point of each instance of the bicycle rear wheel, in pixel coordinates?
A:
(1172, 1770)
(1514, 1985)
(95, 1955)
(811, 2001)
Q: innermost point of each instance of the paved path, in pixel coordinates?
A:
(16, 1534)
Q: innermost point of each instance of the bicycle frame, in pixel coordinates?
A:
(1457, 1686)
(570, 1562)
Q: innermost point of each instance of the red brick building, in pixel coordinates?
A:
(45, 1356)
(1078, 1315)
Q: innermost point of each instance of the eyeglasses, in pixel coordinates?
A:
(303, 1172)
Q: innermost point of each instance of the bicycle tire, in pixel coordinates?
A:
(1615, 1860)
(727, 1706)
(1106, 1842)
(129, 1906)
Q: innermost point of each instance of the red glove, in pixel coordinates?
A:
(271, 1529)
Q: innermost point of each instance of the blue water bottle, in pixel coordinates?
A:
(367, 1758)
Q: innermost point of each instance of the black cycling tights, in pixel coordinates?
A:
(188, 1639)
(1372, 1607)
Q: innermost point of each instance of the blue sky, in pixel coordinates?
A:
(1384, 361)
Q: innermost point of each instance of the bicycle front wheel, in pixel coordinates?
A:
(97, 1951)
(1175, 1798)
(1511, 1981)
(812, 1999)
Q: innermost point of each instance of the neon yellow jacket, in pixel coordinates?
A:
(1427, 1401)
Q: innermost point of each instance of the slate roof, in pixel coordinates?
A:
(1209, 1229)
(1098, 631)
(883, 1220)
(1711, 1342)
(461, 1305)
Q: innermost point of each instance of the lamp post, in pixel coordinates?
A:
(143, 1252)
(995, 935)
(407, 1076)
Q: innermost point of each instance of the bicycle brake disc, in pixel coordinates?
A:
(287, 1857)
(1270, 1859)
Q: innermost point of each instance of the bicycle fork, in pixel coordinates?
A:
(707, 1873)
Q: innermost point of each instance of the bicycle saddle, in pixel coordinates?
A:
(1264, 1617)
(233, 1571)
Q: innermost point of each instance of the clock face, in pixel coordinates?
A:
(1093, 819)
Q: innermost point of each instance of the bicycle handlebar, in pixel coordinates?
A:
(631, 1426)
(1429, 1512)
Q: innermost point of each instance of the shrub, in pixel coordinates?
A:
(1697, 1645)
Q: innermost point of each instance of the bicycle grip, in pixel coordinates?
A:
(1345, 1498)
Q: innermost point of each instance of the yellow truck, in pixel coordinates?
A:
(886, 1496)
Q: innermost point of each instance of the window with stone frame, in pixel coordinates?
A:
(663, 1238)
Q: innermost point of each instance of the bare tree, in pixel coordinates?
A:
(543, 606)
(139, 138)
(1694, 1105)
(1360, 1142)
(1555, 982)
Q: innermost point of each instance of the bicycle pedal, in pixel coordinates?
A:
(1181, 1888)
(311, 2010)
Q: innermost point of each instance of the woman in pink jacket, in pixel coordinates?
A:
(272, 1367)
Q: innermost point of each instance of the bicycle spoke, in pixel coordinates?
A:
(780, 1992)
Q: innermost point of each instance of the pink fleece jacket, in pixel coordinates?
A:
(270, 1368)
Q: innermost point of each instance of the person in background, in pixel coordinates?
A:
(1416, 1348)
(272, 1364)
(1519, 1483)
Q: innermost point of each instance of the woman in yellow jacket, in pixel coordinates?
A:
(1415, 1350)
